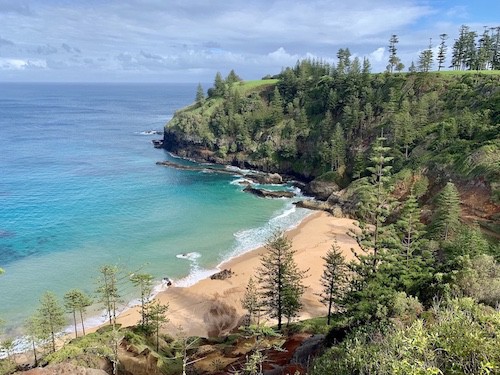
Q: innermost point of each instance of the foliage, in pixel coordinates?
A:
(251, 301)
(333, 279)
(280, 280)
(156, 319)
(447, 215)
(107, 290)
(77, 301)
(454, 338)
(479, 278)
(144, 282)
(49, 318)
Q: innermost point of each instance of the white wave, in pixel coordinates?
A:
(240, 181)
(286, 213)
(237, 169)
(150, 132)
(249, 239)
(196, 274)
(189, 256)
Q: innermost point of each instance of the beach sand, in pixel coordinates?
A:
(311, 239)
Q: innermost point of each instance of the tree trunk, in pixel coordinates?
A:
(83, 326)
(74, 322)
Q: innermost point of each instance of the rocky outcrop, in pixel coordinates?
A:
(321, 189)
(135, 362)
(312, 204)
(257, 177)
(269, 193)
(222, 275)
(265, 178)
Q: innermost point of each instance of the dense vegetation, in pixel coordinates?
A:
(421, 296)
(407, 149)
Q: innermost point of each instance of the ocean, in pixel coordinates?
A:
(79, 189)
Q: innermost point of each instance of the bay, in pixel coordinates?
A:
(79, 188)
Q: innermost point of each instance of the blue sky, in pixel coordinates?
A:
(190, 40)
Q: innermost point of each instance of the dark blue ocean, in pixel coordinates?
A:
(79, 188)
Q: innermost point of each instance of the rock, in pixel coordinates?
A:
(269, 193)
(222, 275)
(133, 361)
(266, 178)
(157, 143)
(312, 204)
(307, 350)
(321, 189)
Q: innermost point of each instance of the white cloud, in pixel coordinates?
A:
(20, 64)
(180, 37)
(377, 55)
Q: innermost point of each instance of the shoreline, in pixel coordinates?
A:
(188, 305)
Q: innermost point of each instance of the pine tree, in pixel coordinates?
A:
(232, 77)
(276, 106)
(77, 301)
(144, 282)
(441, 57)
(33, 334)
(409, 228)
(425, 59)
(404, 129)
(107, 291)
(380, 176)
(447, 214)
(200, 95)
(458, 52)
(250, 301)
(484, 51)
(219, 88)
(394, 60)
(344, 61)
(49, 317)
(333, 279)
(156, 319)
(279, 279)
(338, 148)
(495, 54)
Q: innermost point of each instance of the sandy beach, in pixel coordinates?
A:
(311, 240)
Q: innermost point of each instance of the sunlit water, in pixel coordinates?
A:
(79, 188)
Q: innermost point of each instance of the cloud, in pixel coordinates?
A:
(5, 42)
(15, 7)
(70, 49)
(151, 56)
(185, 37)
(459, 11)
(377, 55)
(46, 50)
(20, 64)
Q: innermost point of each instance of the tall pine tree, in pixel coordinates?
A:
(280, 280)
(447, 214)
(333, 279)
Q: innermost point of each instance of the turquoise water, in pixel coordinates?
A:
(79, 188)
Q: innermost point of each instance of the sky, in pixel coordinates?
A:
(191, 40)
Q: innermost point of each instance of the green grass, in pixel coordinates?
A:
(466, 72)
(247, 86)
(244, 88)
